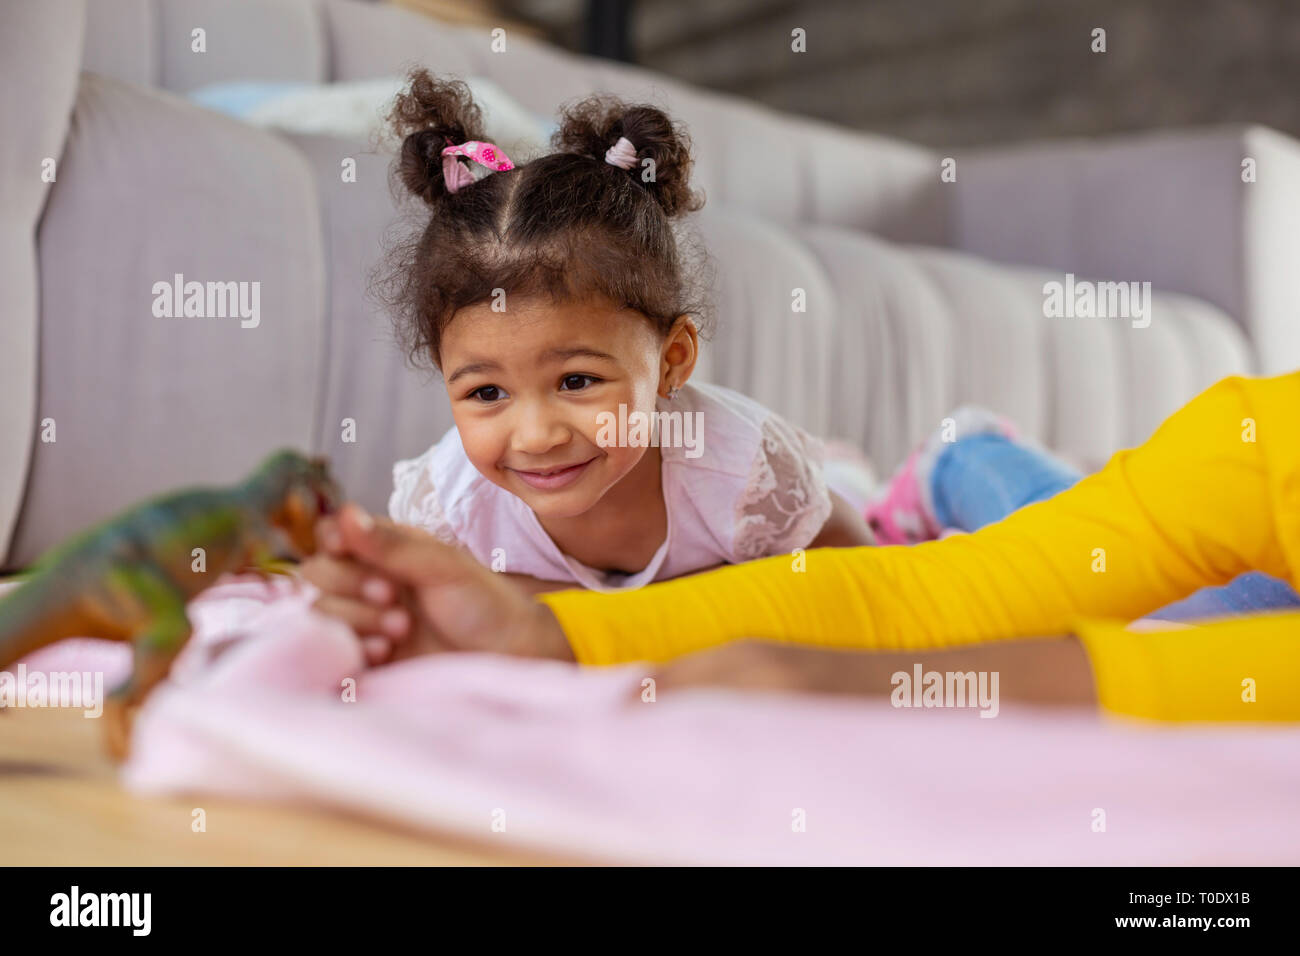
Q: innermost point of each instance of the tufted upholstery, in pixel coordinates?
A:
(40, 46)
(920, 295)
(137, 400)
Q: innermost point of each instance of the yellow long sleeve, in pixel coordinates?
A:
(1215, 492)
(1237, 669)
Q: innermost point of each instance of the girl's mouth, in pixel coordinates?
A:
(552, 479)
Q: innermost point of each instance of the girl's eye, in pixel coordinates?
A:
(488, 393)
(573, 383)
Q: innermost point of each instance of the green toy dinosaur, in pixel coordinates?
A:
(130, 577)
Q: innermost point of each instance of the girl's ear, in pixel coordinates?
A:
(680, 351)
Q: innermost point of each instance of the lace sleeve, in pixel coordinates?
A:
(785, 502)
(414, 500)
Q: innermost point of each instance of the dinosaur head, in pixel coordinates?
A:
(298, 490)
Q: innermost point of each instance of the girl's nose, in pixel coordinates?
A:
(536, 433)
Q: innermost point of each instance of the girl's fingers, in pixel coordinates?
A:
(392, 623)
(348, 579)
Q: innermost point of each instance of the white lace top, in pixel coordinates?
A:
(754, 488)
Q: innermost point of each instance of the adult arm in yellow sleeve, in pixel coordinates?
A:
(1234, 669)
(1214, 493)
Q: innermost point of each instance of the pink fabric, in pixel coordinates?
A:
(580, 765)
(899, 515)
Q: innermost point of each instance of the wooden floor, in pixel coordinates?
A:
(60, 804)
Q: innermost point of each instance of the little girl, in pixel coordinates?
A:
(556, 300)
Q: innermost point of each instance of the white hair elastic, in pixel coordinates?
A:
(622, 154)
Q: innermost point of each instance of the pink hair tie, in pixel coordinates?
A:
(457, 175)
(622, 154)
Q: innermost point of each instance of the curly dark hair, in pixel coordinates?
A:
(566, 224)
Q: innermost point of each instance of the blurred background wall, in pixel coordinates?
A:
(955, 71)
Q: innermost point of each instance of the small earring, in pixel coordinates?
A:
(672, 392)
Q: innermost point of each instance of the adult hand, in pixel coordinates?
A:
(370, 567)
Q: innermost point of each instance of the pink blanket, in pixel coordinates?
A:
(544, 756)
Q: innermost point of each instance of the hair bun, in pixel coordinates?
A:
(427, 115)
(593, 126)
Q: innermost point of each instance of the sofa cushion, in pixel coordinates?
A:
(150, 187)
(393, 411)
(370, 40)
(40, 46)
(122, 40)
(919, 331)
(245, 39)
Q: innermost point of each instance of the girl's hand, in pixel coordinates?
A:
(454, 603)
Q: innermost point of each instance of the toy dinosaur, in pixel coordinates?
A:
(130, 577)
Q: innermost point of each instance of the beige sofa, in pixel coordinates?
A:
(921, 294)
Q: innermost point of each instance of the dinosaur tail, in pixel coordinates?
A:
(28, 623)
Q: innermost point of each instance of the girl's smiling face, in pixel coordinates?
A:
(528, 386)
